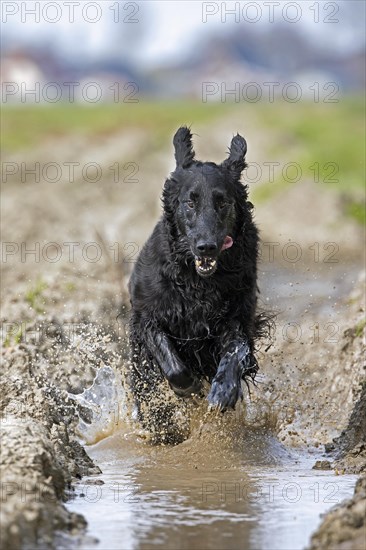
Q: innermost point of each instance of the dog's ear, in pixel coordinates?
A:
(184, 153)
(236, 159)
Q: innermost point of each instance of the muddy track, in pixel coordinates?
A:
(60, 322)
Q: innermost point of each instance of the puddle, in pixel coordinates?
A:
(251, 494)
(228, 486)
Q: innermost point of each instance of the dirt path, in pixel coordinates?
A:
(60, 305)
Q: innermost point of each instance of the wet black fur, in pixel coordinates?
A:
(185, 327)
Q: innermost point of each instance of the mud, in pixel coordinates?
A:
(60, 326)
(345, 527)
(41, 457)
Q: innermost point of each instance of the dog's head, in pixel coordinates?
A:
(205, 203)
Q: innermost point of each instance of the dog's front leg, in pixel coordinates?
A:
(226, 386)
(180, 378)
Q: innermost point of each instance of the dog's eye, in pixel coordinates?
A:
(221, 204)
(190, 204)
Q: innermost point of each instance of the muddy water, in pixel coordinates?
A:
(246, 491)
(228, 486)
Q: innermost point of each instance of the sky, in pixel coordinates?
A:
(157, 32)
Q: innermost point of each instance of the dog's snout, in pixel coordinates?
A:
(206, 247)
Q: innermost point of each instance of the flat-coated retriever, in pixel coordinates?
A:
(194, 290)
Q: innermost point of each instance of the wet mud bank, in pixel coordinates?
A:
(345, 526)
(296, 402)
(46, 360)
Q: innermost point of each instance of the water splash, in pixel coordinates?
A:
(102, 406)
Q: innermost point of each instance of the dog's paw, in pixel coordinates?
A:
(185, 385)
(224, 394)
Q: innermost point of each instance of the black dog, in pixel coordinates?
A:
(194, 289)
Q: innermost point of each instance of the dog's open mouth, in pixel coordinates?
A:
(205, 266)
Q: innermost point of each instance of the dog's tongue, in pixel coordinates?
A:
(228, 242)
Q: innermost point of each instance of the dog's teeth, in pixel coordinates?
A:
(205, 265)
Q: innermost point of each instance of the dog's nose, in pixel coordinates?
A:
(205, 247)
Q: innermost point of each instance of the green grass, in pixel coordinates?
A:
(359, 327)
(70, 286)
(356, 210)
(34, 296)
(27, 127)
(322, 133)
(326, 139)
(13, 339)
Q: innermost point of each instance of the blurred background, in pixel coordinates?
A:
(169, 48)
